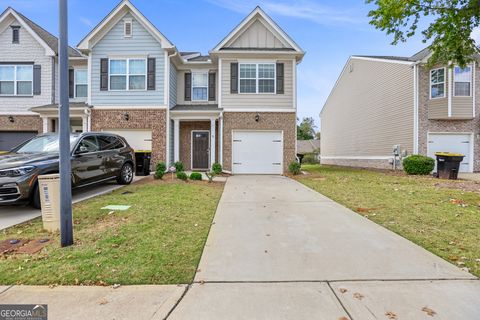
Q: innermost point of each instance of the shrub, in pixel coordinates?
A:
(182, 176)
(217, 168)
(310, 158)
(178, 166)
(418, 164)
(160, 170)
(195, 176)
(210, 175)
(294, 168)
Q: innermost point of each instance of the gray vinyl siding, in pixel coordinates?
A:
(140, 44)
(257, 101)
(369, 111)
(462, 107)
(257, 36)
(173, 85)
(28, 50)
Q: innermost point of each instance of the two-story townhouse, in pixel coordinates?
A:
(382, 101)
(28, 78)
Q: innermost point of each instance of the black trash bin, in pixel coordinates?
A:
(448, 165)
(142, 160)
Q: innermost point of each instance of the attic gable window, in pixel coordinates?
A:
(15, 34)
(127, 28)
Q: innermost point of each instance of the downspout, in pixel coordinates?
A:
(167, 125)
(415, 107)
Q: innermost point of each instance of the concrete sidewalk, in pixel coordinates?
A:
(278, 250)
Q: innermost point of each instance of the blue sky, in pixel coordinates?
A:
(328, 30)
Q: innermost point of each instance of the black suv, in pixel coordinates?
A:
(95, 157)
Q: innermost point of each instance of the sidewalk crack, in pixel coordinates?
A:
(340, 301)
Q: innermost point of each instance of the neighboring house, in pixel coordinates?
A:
(379, 102)
(235, 106)
(308, 147)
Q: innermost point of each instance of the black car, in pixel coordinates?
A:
(95, 157)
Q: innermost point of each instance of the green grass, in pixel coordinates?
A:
(417, 208)
(159, 240)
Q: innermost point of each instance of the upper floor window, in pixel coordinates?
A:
(81, 83)
(257, 78)
(15, 34)
(16, 80)
(200, 86)
(128, 74)
(127, 28)
(437, 83)
(462, 79)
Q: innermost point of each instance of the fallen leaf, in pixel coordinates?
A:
(390, 315)
(343, 318)
(429, 311)
(358, 296)
(343, 290)
(102, 301)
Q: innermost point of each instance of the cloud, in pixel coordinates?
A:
(301, 9)
(87, 22)
(476, 35)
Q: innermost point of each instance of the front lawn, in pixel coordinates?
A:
(159, 240)
(439, 215)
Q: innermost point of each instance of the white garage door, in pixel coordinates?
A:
(454, 143)
(139, 140)
(257, 152)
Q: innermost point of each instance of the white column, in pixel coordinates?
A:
(45, 124)
(220, 140)
(85, 123)
(176, 140)
(212, 141)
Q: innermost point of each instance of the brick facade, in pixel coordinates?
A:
(21, 123)
(146, 119)
(285, 121)
(186, 128)
(454, 126)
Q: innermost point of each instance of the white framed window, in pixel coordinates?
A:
(462, 81)
(128, 74)
(199, 86)
(81, 83)
(437, 83)
(16, 80)
(127, 28)
(257, 77)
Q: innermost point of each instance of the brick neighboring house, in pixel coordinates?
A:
(236, 106)
(379, 102)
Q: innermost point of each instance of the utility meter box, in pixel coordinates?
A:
(49, 188)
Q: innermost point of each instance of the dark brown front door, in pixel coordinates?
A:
(200, 149)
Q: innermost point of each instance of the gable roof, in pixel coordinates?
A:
(271, 24)
(45, 38)
(308, 146)
(115, 13)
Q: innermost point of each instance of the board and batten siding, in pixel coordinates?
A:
(369, 111)
(115, 45)
(258, 101)
(257, 36)
(28, 50)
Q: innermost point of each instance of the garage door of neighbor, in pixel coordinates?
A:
(456, 143)
(257, 152)
(11, 139)
(139, 140)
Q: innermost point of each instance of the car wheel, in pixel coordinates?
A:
(126, 174)
(35, 202)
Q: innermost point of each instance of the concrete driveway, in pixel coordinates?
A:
(13, 215)
(278, 250)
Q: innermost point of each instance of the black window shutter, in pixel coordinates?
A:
(151, 74)
(37, 79)
(280, 78)
(71, 84)
(104, 74)
(188, 87)
(211, 86)
(234, 77)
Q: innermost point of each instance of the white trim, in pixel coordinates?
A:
(85, 43)
(89, 67)
(259, 109)
(449, 92)
(191, 149)
(200, 72)
(445, 78)
(125, 22)
(472, 144)
(219, 83)
(357, 157)
(81, 84)
(129, 107)
(15, 80)
(199, 117)
(257, 78)
(213, 136)
(474, 91)
(250, 18)
(176, 140)
(127, 74)
(415, 109)
(20, 113)
(382, 60)
(220, 139)
(471, 82)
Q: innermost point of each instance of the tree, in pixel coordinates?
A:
(450, 28)
(306, 129)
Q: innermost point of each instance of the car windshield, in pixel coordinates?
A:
(48, 143)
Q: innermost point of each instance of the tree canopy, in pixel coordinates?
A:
(306, 129)
(450, 25)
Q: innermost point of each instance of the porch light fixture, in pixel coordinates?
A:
(126, 116)
(257, 117)
(11, 119)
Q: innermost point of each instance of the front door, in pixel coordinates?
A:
(200, 149)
